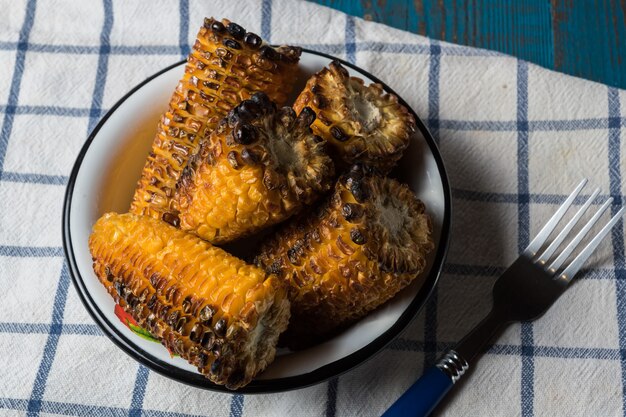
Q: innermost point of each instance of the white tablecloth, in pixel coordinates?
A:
(515, 139)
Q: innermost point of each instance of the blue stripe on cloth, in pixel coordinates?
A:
(523, 228)
(16, 81)
(407, 345)
(48, 111)
(522, 156)
(93, 50)
(433, 89)
(23, 178)
(385, 47)
(103, 65)
(75, 409)
(31, 251)
(64, 49)
(266, 20)
(479, 125)
(535, 125)
(560, 125)
(44, 328)
(394, 48)
(13, 404)
(554, 199)
(145, 50)
(331, 49)
(136, 403)
(430, 316)
(422, 49)
(236, 405)
(350, 40)
(183, 33)
(617, 236)
(557, 352)
(331, 395)
(495, 271)
(49, 351)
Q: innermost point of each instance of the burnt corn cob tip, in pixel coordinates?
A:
(214, 310)
(226, 65)
(366, 243)
(363, 124)
(259, 166)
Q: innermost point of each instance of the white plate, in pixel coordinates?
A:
(104, 178)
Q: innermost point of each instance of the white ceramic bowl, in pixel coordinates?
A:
(104, 177)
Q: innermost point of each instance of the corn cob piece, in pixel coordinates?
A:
(363, 124)
(211, 308)
(366, 243)
(227, 65)
(259, 166)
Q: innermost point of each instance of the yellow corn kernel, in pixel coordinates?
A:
(226, 65)
(363, 245)
(193, 296)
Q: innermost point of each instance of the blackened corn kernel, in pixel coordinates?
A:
(230, 43)
(253, 40)
(215, 26)
(236, 31)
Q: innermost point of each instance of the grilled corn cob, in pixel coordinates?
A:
(221, 314)
(227, 65)
(366, 243)
(259, 166)
(363, 124)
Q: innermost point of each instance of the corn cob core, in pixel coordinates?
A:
(363, 124)
(221, 314)
(226, 65)
(366, 243)
(260, 166)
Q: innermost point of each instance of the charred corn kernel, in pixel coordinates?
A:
(366, 243)
(363, 124)
(259, 166)
(219, 313)
(227, 65)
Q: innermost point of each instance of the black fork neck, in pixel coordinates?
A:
(475, 342)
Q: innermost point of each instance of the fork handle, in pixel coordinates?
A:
(424, 395)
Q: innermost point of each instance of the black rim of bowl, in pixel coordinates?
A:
(259, 385)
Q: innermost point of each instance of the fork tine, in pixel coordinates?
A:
(578, 262)
(579, 237)
(541, 237)
(567, 229)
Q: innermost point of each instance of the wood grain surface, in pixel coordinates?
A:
(585, 38)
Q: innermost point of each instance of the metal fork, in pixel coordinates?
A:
(524, 292)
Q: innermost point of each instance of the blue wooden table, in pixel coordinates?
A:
(585, 38)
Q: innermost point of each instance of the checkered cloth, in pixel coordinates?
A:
(515, 138)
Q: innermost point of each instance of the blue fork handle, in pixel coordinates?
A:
(423, 396)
